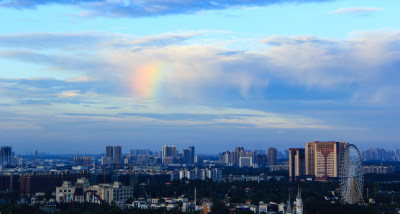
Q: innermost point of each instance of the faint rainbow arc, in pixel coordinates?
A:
(148, 80)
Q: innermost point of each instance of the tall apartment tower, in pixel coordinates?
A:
(322, 158)
(169, 153)
(188, 155)
(6, 155)
(117, 154)
(109, 152)
(224, 157)
(272, 152)
(297, 163)
(236, 155)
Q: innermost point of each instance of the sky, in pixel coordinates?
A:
(77, 75)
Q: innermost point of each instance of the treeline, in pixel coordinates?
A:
(85, 208)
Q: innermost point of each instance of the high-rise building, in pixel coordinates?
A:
(297, 163)
(169, 154)
(236, 155)
(109, 152)
(261, 160)
(245, 162)
(246, 158)
(6, 155)
(322, 158)
(224, 157)
(188, 155)
(272, 155)
(117, 154)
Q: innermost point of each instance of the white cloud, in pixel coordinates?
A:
(356, 10)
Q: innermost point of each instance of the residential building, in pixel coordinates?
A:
(272, 156)
(245, 162)
(6, 155)
(117, 155)
(322, 158)
(109, 152)
(169, 154)
(297, 163)
(188, 155)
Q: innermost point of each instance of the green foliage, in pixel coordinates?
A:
(313, 207)
(219, 207)
(23, 208)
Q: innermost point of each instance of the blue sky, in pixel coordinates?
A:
(79, 75)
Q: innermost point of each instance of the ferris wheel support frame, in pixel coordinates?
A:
(354, 191)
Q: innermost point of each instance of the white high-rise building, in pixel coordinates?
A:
(169, 154)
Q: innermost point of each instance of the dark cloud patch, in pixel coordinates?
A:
(131, 8)
(76, 62)
(53, 40)
(88, 41)
(88, 115)
(112, 107)
(50, 91)
(33, 102)
(185, 116)
(298, 40)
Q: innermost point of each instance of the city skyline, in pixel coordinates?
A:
(78, 76)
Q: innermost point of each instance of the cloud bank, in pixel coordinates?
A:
(363, 65)
(132, 8)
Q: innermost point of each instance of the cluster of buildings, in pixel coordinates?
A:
(248, 158)
(30, 183)
(113, 155)
(377, 169)
(317, 161)
(170, 155)
(81, 191)
(206, 205)
(380, 154)
(34, 182)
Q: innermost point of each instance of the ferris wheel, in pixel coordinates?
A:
(351, 175)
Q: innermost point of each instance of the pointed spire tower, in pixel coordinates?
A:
(299, 202)
(289, 207)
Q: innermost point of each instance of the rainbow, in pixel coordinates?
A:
(147, 80)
